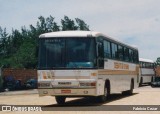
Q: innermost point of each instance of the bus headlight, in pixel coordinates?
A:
(43, 85)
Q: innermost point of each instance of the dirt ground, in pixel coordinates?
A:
(142, 96)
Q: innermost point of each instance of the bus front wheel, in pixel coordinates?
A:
(103, 97)
(60, 99)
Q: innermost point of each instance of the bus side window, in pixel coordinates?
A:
(146, 65)
(126, 54)
(152, 65)
(143, 65)
(135, 57)
(107, 49)
(131, 55)
(114, 50)
(120, 52)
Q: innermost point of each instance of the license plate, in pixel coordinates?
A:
(66, 91)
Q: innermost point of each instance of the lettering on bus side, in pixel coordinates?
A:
(121, 66)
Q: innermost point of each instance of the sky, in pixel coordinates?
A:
(135, 22)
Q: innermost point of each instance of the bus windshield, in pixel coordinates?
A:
(67, 53)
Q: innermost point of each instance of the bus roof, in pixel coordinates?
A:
(146, 60)
(80, 34)
(69, 34)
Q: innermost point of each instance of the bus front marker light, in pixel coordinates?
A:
(93, 74)
(45, 92)
(85, 92)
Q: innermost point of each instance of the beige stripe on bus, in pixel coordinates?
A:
(71, 77)
(117, 72)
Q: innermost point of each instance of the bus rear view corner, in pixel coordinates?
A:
(85, 64)
(147, 70)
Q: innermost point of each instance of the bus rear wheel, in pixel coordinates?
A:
(141, 81)
(129, 92)
(60, 99)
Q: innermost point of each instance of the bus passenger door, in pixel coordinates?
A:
(100, 53)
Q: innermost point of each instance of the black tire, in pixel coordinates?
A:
(103, 98)
(60, 99)
(129, 92)
(141, 81)
(152, 79)
(152, 86)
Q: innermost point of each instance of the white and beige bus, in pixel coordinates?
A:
(85, 63)
(146, 70)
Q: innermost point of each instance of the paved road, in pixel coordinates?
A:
(142, 96)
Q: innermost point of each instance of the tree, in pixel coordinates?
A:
(51, 25)
(158, 61)
(25, 57)
(17, 40)
(47, 25)
(3, 42)
(82, 25)
(19, 49)
(68, 24)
